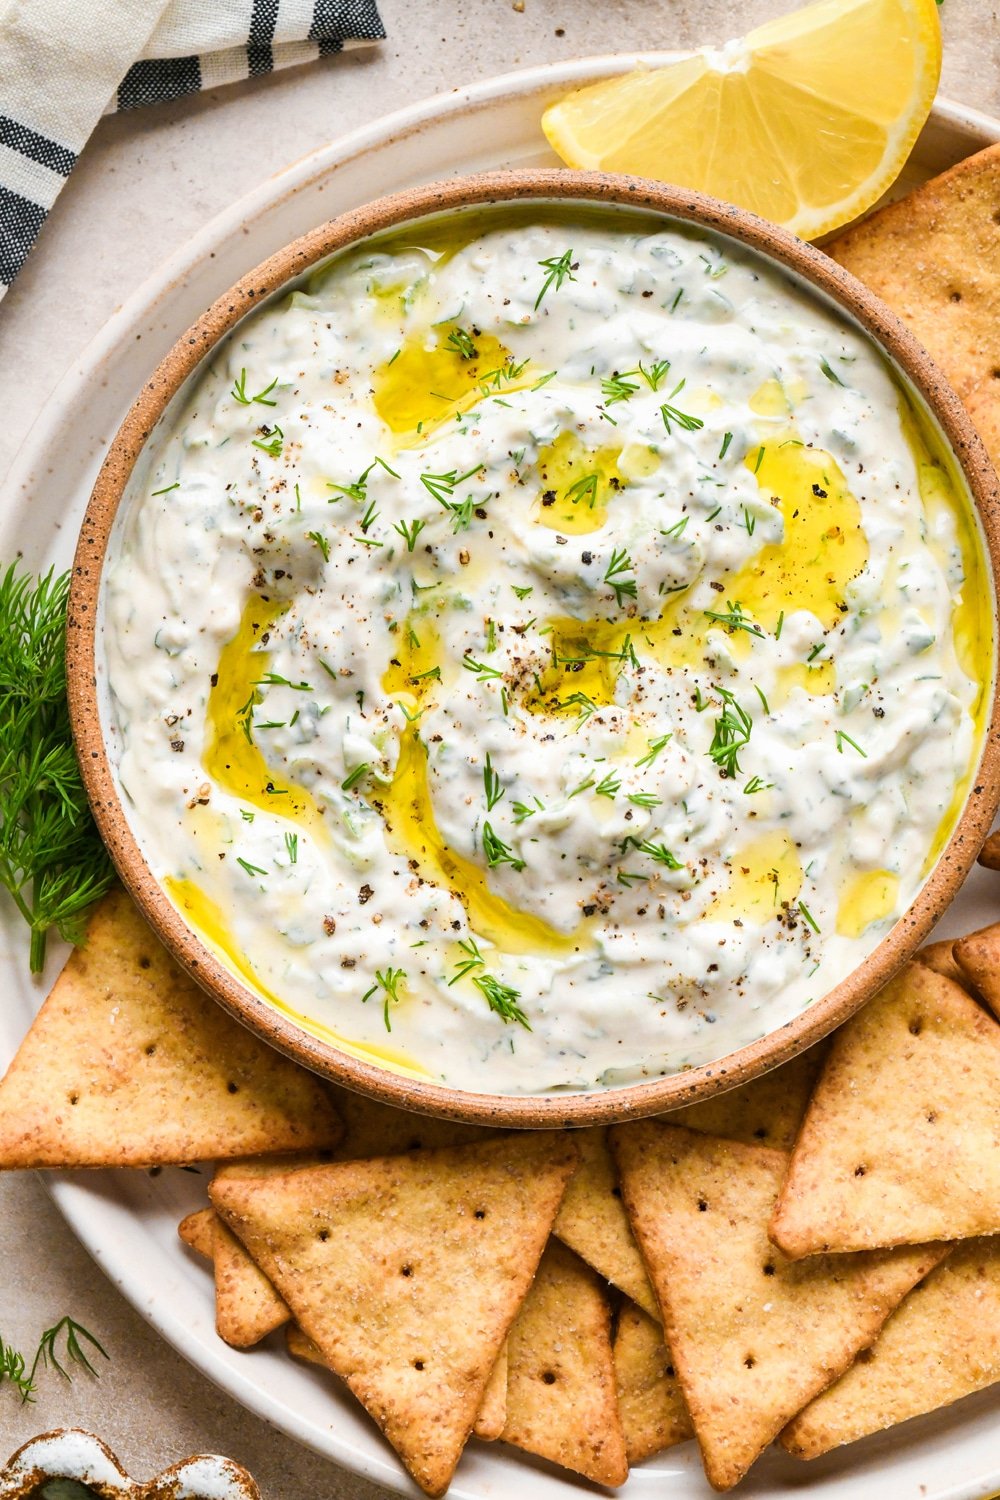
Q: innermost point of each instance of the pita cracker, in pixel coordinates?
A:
(198, 1232)
(989, 854)
(407, 1273)
(983, 406)
(592, 1221)
(128, 1063)
(766, 1112)
(247, 1307)
(933, 257)
(561, 1397)
(978, 960)
(491, 1415)
(941, 1343)
(650, 1399)
(901, 1143)
(753, 1335)
(375, 1129)
(941, 958)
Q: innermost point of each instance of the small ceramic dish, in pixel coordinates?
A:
(89, 698)
(70, 1464)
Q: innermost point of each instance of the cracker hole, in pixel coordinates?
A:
(418, 1364)
(916, 1026)
(860, 1171)
(865, 1357)
(995, 372)
(749, 1361)
(670, 1372)
(406, 1270)
(760, 1133)
(151, 1049)
(480, 1213)
(956, 296)
(616, 1192)
(769, 1269)
(549, 1376)
(702, 1205)
(74, 1098)
(323, 1235)
(144, 962)
(931, 1116)
(233, 1088)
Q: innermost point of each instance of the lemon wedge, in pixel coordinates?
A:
(806, 120)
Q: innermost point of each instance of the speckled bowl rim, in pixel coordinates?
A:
(530, 1111)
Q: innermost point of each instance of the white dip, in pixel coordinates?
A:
(538, 649)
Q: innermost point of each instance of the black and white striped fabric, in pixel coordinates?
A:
(62, 66)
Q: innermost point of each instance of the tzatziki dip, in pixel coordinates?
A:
(547, 648)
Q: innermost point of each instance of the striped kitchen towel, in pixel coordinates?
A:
(64, 64)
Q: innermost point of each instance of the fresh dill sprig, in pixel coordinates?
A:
(483, 672)
(727, 439)
(656, 373)
(239, 392)
(292, 847)
(249, 868)
(624, 588)
(619, 387)
(521, 810)
(559, 268)
(497, 852)
(501, 999)
(442, 486)
(609, 787)
(388, 981)
(655, 746)
(13, 1365)
(321, 542)
(644, 799)
(734, 619)
(353, 777)
(844, 738)
(462, 344)
(732, 733)
(673, 414)
(585, 488)
(409, 533)
(272, 441)
(492, 785)
(755, 784)
(807, 914)
(52, 860)
(829, 371)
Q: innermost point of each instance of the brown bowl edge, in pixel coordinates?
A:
(550, 1110)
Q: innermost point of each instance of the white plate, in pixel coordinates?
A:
(128, 1221)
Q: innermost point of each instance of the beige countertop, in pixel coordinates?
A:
(146, 182)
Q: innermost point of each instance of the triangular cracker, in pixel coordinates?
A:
(901, 1142)
(753, 1335)
(978, 960)
(198, 1232)
(592, 1221)
(941, 958)
(650, 1398)
(407, 1272)
(128, 1063)
(767, 1111)
(561, 1398)
(492, 1413)
(932, 257)
(942, 1343)
(372, 1128)
(247, 1307)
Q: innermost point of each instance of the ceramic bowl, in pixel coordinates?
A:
(74, 1465)
(90, 717)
